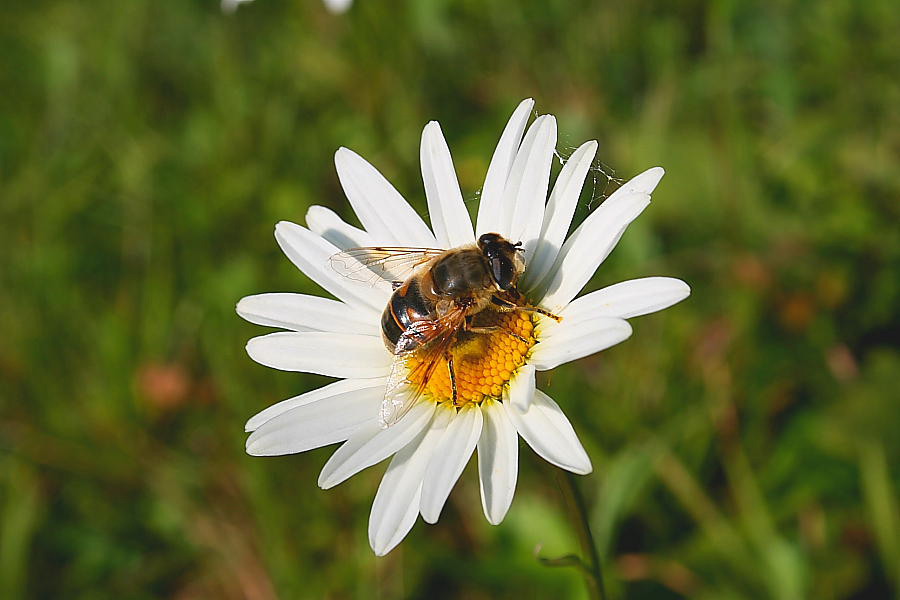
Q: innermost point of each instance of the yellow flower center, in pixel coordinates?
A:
(483, 362)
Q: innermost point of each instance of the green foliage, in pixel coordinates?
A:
(744, 442)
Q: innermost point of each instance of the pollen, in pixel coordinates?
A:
(484, 360)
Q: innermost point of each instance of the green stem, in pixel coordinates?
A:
(593, 571)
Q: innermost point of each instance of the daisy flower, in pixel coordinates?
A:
(495, 372)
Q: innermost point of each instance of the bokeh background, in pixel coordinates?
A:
(745, 441)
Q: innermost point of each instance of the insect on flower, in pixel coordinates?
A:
(437, 306)
(437, 355)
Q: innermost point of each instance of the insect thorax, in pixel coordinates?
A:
(460, 274)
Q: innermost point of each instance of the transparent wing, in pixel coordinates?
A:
(378, 264)
(405, 386)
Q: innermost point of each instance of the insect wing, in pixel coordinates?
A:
(399, 395)
(378, 264)
(432, 340)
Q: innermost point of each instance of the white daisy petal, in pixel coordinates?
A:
(449, 459)
(576, 337)
(310, 253)
(558, 212)
(498, 461)
(397, 501)
(521, 387)
(628, 299)
(372, 443)
(449, 217)
(332, 389)
(299, 312)
(315, 424)
(498, 171)
(526, 189)
(594, 239)
(550, 435)
(332, 354)
(330, 226)
(387, 217)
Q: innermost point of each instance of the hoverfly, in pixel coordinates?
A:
(436, 293)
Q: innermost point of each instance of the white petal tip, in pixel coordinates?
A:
(256, 447)
(527, 102)
(545, 121)
(314, 211)
(648, 180)
(432, 134)
(580, 463)
(381, 548)
(282, 227)
(255, 348)
(680, 290)
(343, 156)
(496, 519)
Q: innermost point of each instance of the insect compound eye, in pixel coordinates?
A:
(487, 238)
(502, 272)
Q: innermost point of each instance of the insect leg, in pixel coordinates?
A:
(493, 329)
(449, 357)
(508, 306)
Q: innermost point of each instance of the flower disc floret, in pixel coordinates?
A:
(484, 363)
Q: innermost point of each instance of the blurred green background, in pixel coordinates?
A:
(745, 442)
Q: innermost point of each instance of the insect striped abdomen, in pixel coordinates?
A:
(406, 307)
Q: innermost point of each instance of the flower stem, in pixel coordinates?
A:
(593, 570)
